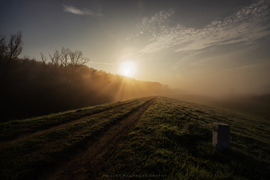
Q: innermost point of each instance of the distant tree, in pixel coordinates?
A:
(9, 52)
(14, 45)
(3, 47)
(66, 58)
(65, 63)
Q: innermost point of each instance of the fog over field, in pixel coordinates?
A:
(168, 89)
(215, 49)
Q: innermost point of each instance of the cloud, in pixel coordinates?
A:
(73, 10)
(155, 24)
(249, 23)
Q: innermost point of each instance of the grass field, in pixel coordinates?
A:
(139, 138)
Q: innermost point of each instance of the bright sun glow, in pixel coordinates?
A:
(127, 69)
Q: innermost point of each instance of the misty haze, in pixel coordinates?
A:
(116, 89)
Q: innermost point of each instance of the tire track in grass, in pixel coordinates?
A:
(37, 157)
(87, 164)
(28, 126)
(43, 131)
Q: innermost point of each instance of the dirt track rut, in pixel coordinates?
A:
(43, 131)
(86, 164)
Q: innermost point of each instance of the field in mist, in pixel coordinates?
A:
(144, 137)
(63, 82)
(61, 119)
(250, 104)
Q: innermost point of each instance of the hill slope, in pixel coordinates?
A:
(144, 137)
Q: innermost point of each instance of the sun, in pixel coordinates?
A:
(127, 68)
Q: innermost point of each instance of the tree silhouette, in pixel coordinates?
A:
(61, 82)
(9, 52)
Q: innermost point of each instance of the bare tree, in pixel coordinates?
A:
(3, 47)
(55, 58)
(8, 52)
(66, 58)
(77, 59)
(65, 63)
(43, 58)
(15, 45)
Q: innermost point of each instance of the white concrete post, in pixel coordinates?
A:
(221, 135)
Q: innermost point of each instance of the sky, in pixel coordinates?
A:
(210, 47)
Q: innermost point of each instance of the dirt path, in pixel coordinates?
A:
(86, 164)
(44, 131)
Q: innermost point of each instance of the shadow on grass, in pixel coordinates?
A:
(240, 164)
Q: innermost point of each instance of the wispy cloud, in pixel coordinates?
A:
(73, 10)
(244, 26)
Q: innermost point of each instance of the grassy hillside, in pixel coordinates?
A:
(30, 157)
(173, 139)
(159, 137)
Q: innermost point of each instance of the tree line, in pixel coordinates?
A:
(59, 82)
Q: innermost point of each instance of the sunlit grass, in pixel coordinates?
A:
(173, 138)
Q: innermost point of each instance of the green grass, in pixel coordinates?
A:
(12, 129)
(31, 157)
(173, 138)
